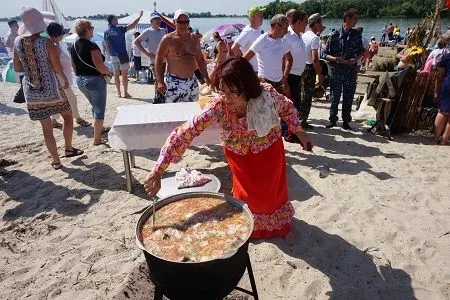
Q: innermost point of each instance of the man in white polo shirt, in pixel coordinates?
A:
(270, 48)
(297, 48)
(249, 34)
(272, 51)
(312, 44)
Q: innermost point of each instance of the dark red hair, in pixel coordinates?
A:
(237, 73)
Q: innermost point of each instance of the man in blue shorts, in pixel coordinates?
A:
(116, 47)
(181, 51)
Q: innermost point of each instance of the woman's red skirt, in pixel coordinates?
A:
(259, 179)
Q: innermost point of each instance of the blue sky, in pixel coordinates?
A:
(91, 7)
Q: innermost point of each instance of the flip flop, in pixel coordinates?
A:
(102, 142)
(73, 152)
(84, 123)
(56, 166)
(106, 129)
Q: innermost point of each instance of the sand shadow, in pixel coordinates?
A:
(86, 131)
(97, 175)
(353, 274)
(145, 100)
(349, 166)
(359, 131)
(8, 110)
(36, 196)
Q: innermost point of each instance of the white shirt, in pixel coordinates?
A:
(312, 42)
(246, 39)
(152, 37)
(298, 52)
(66, 62)
(136, 51)
(269, 53)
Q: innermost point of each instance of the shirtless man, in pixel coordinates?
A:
(182, 53)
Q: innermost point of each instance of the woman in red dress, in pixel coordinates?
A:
(247, 113)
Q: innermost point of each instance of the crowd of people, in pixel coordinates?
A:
(264, 84)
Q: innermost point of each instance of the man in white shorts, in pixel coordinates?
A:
(116, 47)
(182, 53)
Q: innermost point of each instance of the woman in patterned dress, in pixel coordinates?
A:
(38, 58)
(247, 112)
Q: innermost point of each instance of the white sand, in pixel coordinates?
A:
(377, 228)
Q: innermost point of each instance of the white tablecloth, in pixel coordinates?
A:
(140, 127)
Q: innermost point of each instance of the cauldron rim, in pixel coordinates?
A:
(173, 198)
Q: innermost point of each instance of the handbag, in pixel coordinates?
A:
(123, 58)
(20, 97)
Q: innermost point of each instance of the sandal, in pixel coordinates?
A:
(56, 166)
(106, 129)
(101, 142)
(83, 123)
(74, 152)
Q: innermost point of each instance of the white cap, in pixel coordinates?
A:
(180, 12)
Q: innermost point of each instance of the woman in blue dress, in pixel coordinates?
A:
(442, 95)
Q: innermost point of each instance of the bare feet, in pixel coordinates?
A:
(128, 96)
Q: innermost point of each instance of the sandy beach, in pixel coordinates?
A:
(377, 228)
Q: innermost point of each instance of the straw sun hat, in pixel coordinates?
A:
(33, 21)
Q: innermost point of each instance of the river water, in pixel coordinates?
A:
(372, 27)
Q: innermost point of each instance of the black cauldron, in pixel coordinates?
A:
(213, 279)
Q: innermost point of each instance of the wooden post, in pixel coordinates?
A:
(436, 17)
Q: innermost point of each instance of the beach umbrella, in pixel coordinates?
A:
(239, 27)
(224, 30)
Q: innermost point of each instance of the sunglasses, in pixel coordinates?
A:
(183, 22)
(231, 93)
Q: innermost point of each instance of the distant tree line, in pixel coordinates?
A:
(170, 15)
(97, 17)
(366, 8)
(206, 14)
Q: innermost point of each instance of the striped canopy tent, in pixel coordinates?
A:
(144, 22)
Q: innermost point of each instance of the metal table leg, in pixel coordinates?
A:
(132, 159)
(252, 278)
(126, 161)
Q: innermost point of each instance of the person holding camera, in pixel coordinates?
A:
(87, 61)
